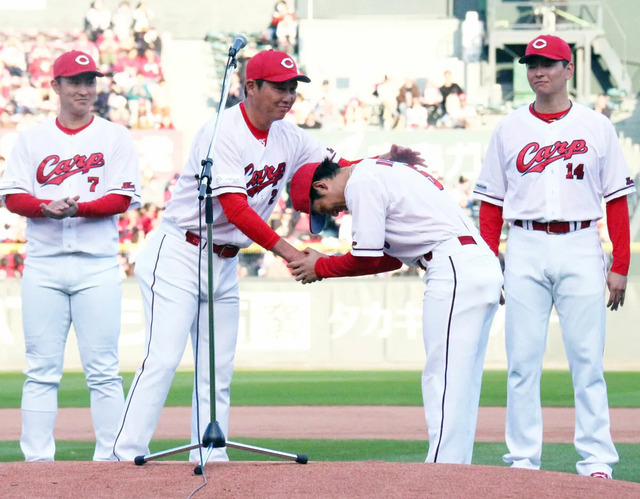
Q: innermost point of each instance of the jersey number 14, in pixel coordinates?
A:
(577, 172)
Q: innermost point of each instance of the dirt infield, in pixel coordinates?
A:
(333, 422)
(316, 479)
(290, 480)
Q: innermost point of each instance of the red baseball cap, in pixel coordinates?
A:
(272, 65)
(74, 63)
(549, 46)
(300, 194)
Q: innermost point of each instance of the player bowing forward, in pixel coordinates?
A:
(401, 214)
(548, 168)
(255, 155)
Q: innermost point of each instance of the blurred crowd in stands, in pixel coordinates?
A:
(282, 33)
(133, 93)
(391, 104)
(408, 106)
(128, 51)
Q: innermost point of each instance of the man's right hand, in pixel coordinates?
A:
(61, 208)
(304, 270)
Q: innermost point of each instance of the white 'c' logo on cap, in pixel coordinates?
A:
(288, 63)
(83, 60)
(539, 44)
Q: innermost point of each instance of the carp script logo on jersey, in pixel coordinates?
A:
(534, 159)
(261, 179)
(53, 171)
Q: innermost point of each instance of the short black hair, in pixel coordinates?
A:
(259, 84)
(326, 169)
(76, 79)
(536, 57)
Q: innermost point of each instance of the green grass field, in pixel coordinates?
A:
(338, 388)
(348, 388)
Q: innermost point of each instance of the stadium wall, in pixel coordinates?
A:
(360, 323)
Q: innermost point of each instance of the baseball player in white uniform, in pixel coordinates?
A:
(255, 155)
(401, 214)
(71, 176)
(548, 168)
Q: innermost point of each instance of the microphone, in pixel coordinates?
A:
(238, 43)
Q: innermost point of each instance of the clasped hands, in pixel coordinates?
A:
(61, 208)
(304, 269)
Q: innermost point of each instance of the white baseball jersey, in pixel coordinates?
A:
(50, 164)
(244, 164)
(401, 210)
(557, 171)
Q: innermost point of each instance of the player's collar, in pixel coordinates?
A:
(549, 117)
(260, 135)
(73, 131)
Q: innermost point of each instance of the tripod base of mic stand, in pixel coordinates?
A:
(214, 438)
(298, 458)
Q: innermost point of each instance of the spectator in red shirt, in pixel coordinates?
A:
(108, 44)
(149, 213)
(41, 70)
(149, 65)
(41, 49)
(127, 60)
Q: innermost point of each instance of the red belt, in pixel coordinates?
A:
(223, 251)
(464, 240)
(553, 227)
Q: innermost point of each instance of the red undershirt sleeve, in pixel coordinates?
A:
(619, 233)
(25, 205)
(347, 162)
(106, 206)
(349, 265)
(491, 225)
(239, 213)
(29, 206)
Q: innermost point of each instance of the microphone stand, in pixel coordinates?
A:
(213, 436)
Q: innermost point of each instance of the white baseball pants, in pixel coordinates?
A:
(568, 271)
(167, 271)
(57, 291)
(463, 285)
